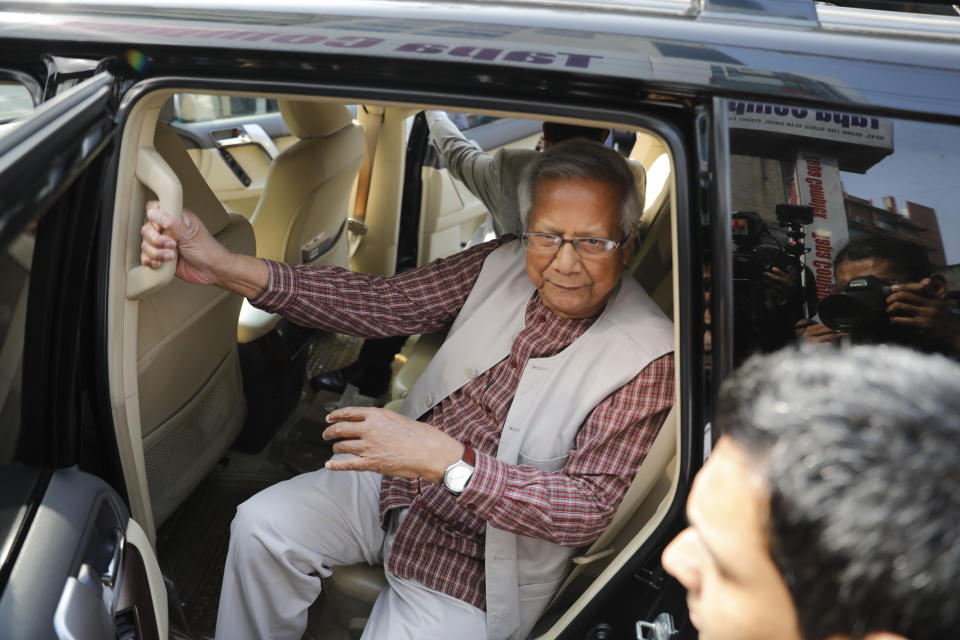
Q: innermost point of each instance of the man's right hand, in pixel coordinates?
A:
(165, 237)
(812, 331)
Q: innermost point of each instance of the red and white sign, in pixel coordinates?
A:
(816, 181)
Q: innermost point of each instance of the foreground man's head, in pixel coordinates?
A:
(829, 509)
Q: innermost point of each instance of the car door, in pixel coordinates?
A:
(73, 564)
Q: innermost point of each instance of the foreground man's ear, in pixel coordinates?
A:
(877, 635)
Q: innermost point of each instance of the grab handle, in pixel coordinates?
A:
(156, 175)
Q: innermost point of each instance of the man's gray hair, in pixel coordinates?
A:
(580, 159)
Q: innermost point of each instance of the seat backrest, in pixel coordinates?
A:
(302, 214)
(191, 396)
(655, 466)
(652, 264)
(650, 487)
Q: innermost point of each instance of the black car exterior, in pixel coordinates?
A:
(674, 69)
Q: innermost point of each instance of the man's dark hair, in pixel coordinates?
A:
(860, 448)
(554, 132)
(907, 258)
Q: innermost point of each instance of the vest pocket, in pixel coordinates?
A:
(540, 589)
(534, 599)
(544, 464)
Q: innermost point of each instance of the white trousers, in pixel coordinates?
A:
(287, 537)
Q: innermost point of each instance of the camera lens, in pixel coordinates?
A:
(858, 306)
(843, 312)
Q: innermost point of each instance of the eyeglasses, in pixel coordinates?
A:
(552, 243)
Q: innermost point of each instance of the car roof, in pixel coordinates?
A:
(844, 57)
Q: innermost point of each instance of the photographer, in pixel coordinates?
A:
(886, 291)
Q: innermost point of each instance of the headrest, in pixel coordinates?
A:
(640, 176)
(307, 119)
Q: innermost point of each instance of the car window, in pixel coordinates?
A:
(15, 102)
(15, 261)
(202, 107)
(467, 121)
(880, 191)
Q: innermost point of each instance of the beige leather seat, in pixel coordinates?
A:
(302, 214)
(652, 264)
(191, 394)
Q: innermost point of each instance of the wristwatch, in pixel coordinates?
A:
(457, 475)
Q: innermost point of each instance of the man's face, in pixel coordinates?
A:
(850, 269)
(572, 286)
(734, 591)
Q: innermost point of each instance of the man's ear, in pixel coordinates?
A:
(938, 285)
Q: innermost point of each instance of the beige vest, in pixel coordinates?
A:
(553, 399)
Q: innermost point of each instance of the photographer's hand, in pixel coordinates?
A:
(919, 305)
(812, 331)
(780, 281)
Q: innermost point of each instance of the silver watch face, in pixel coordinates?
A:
(455, 479)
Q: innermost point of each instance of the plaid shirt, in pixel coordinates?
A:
(441, 541)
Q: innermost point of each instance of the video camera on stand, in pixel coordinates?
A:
(766, 304)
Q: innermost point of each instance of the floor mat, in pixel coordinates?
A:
(332, 351)
(192, 544)
(305, 449)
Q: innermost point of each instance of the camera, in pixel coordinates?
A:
(751, 256)
(767, 305)
(858, 307)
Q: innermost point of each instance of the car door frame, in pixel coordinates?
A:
(686, 131)
(72, 563)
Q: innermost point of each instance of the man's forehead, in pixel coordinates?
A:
(578, 202)
(878, 267)
(729, 500)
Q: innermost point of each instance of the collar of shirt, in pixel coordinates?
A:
(562, 331)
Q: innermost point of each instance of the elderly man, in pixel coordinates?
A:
(829, 509)
(514, 448)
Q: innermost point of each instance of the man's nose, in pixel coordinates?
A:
(679, 559)
(566, 259)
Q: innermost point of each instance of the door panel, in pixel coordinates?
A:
(226, 176)
(72, 562)
(233, 152)
(82, 571)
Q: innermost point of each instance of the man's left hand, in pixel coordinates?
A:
(390, 444)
